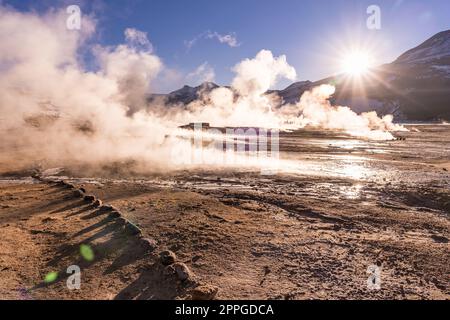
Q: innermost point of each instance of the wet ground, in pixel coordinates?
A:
(337, 207)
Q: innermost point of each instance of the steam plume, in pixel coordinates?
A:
(52, 109)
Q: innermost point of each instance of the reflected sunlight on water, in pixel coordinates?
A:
(342, 167)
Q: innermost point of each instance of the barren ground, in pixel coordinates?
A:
(308, 232)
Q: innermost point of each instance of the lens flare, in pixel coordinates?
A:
(356, 63)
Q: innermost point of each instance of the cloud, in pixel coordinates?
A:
(203, 73)
(228, 39)
(138, 39)
(257, 75)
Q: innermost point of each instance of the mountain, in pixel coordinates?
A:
(188, 94)
(291, 93)
(415, 87)
(420, 79)
(434, 50)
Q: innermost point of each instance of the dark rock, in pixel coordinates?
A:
(169, 271)
(266, 270)
(114, 215)
(97, 203)
(37, 176)
(121, 221)
(167, 257)
(182, 271)
(65, 184)
(132, 228)
(89, 198)
(107, 208)
(439, 239)
(78, 194)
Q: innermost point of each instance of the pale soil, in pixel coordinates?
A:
(299, 235)
(42, 229)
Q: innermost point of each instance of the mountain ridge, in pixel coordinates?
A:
(415, 86)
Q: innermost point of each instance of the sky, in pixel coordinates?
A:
(201, 40)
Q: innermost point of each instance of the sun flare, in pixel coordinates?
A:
(356, 63)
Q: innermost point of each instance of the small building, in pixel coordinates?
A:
(193, 125)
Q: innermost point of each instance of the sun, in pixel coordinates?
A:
(356, 63)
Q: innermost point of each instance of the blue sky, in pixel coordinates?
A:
(309, 33)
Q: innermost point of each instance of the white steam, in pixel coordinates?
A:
(52, 109)
(245, 102)
(316, 110)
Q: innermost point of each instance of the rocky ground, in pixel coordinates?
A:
(311, 231)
